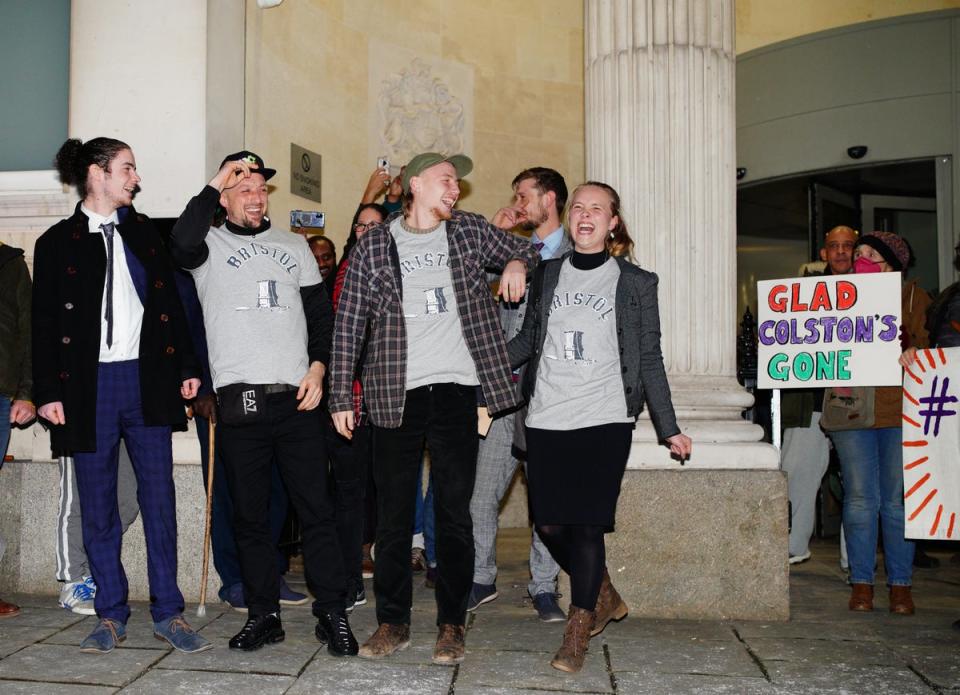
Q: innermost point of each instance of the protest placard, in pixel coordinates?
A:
(931, 445)
(831, 330)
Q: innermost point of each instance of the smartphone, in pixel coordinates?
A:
(307, 218)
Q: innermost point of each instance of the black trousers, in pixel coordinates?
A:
(294, 440)
(445, 416)
(350, 464)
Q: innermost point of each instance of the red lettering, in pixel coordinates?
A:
(846, 295)
(795, 304)
(775, 301)
(821, 298)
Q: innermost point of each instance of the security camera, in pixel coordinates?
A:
(741, 173)
(857, 151)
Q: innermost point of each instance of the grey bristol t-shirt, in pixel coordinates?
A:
(436, 350)
(578, 378)
(249, 288)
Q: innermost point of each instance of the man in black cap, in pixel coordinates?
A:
(417, 286)
(268, 322)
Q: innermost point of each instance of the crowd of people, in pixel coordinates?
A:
(869, 455)
(323, 384)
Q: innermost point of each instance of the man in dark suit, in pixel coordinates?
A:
(112, 358)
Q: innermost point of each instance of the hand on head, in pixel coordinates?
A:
(232, 173)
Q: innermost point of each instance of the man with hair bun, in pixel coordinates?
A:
(112, 359)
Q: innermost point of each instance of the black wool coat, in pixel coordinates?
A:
(69, 271)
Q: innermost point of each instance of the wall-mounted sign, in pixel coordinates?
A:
(305, 173)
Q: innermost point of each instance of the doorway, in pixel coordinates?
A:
(781, 223)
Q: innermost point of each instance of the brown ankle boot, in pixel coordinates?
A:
(610, 606)
(576, 637)
(861, 598)
(901, 600)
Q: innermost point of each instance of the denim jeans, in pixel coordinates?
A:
(445, 415)
(872, 465)
(423, 522)
(5, 405)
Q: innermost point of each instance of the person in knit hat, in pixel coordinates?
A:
(891, 248)
(871, 458)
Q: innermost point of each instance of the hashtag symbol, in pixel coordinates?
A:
(936, 410)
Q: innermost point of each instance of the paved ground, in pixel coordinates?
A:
(824, 649)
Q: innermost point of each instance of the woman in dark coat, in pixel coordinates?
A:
(592, 340)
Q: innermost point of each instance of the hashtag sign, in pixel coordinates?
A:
(936, 406)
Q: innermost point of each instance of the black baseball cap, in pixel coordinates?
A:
(250, 158)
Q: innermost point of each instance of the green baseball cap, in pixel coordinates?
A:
(461, 163)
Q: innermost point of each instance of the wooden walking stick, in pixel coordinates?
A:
(202, 608)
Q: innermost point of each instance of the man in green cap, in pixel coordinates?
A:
(416, 291)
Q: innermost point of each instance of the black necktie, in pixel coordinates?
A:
(107, 228)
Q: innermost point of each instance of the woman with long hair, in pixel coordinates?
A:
(592, 340)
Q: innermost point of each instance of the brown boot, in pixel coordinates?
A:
(610, 606)
(576, 637)
(901, 602)
(367, 562)
(8, 610)
(450, 645)
(388, 638)
(861, 598)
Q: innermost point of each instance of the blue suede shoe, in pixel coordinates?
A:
(105, 636)
(234, 596)
(289, 597)
(181, 636)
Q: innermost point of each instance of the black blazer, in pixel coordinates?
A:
(69, 270)
(638, 336)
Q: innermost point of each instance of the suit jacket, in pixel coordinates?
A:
(638, 338)
(69, 273)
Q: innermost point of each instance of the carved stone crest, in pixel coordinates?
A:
(424, 106)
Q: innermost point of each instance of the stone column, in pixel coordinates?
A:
(167, 78)
(659, 101)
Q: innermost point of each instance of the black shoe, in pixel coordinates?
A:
(356, 596)
(258, 631)
(334, 631)
(924, 561)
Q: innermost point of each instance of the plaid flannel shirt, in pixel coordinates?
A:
(372, 296)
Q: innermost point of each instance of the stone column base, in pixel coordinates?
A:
(29, 493)
(701, 544)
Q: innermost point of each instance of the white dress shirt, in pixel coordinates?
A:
(127, 308)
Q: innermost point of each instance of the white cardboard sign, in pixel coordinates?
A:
(830, 330)
(931, 445)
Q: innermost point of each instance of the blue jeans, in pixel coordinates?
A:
(872, 465)
(5, 404)
(424, 521)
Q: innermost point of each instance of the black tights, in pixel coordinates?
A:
(581, 552)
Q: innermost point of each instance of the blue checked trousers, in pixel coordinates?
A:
(119, 414)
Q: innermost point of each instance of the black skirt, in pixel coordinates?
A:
(573, 476)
